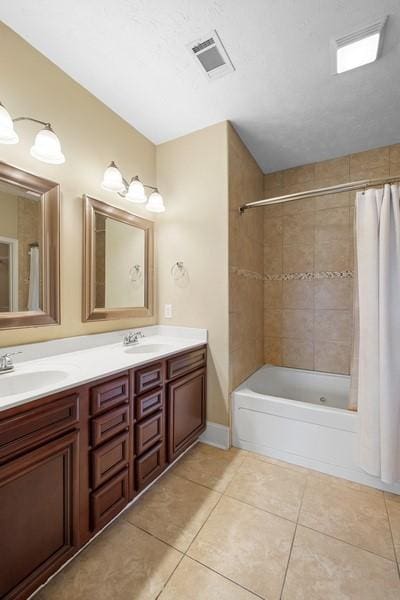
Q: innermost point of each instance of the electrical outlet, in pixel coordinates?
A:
(168, 311)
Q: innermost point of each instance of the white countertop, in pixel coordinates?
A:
(49, 367)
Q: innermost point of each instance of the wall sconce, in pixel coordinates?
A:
(113, 181)
(46, 146)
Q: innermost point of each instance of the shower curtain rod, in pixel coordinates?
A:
(335, 189)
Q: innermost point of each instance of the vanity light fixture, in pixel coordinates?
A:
(113, 181)
(46, 147)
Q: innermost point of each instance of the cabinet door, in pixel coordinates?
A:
(186, 411)
(38, 516)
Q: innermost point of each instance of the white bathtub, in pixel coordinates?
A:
(300, 417)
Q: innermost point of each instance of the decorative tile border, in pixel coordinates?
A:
(306, 276)
(309, 276)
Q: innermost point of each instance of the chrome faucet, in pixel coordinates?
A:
(6, 362)
(132, 338)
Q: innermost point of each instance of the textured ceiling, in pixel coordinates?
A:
(283, 99)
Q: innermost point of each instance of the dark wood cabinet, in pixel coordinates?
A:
(38, 515)
(71, 462)
(186, 411)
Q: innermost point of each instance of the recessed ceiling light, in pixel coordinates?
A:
(360, 48)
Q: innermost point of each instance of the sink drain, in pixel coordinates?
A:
(322, 399)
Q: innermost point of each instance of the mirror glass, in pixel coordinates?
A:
(120, 273)
(21, 277)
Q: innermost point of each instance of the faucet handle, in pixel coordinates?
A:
(6, 362)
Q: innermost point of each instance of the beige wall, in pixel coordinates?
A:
(308, 322)
(245, 263)
(91, 136)
(192, 172)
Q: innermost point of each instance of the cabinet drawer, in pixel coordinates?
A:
(109, 424)
(109, 500)
(148, 432)
(150, 465)
(108, 459)
(179, 365)
(149, 403)
(109, 394)
(28, 428)
(148, 377)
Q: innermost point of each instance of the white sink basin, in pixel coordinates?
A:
(20, 383)
(148, 348)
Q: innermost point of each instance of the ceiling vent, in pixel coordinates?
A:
(211, 56)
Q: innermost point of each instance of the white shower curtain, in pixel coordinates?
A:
(33, 292)
(376, 384)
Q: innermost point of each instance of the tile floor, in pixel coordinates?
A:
(233, 525)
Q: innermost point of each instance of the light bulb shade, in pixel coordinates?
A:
(47, 147)
(112, 179)
(7, 132)
(135, 191)
(155, 203)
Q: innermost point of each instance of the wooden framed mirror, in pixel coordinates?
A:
(29, 249)
(118, 263)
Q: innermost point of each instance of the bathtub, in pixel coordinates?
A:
(300, 417)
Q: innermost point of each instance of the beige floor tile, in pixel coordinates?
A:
(393, 508)
(349, 514)
(279, 463)
(322, 568)
(210, 466)
(247, 545)
(268, 487)
(123, 563)
(192, 580)
(173, 510)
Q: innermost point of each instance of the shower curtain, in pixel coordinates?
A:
(376, 369)
(33, 292)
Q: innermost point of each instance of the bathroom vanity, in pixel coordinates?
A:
(72, 460)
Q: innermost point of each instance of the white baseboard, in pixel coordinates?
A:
(216, 435)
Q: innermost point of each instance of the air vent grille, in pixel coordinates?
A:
(211, 56)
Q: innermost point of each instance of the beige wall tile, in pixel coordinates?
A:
(333, 293)
(333, 357)
(298, 258)
(298, 293)
(332, 172)
(298, 175)
(272, 294)
(333, 325)
(273, 323)
(297, 206)
(273, 350)
(273, 231)
(333, 200)
(273, 259)
(298, 324)
(334, 255)
(298, 354)
(370, 164)
(299, 229)
(394, 155)
(273, 180)
(332, 225)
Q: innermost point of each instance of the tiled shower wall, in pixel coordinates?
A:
(246, 247)
(308, 262)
